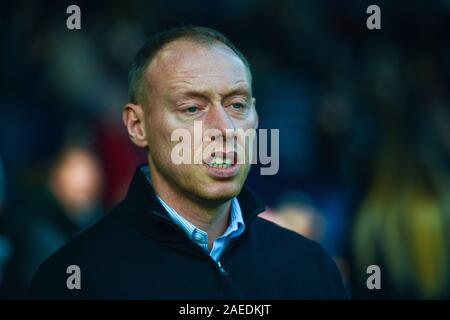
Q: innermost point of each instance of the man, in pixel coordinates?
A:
(63, 206)
(188, 231)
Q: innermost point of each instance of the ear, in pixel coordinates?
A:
(133, 118)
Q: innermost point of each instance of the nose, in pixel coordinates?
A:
(219, 119)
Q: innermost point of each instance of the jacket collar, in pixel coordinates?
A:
(150, 217)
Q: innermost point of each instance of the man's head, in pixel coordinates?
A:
(179, 77)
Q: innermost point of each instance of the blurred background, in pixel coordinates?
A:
(364, 119)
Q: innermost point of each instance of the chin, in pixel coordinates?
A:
(221, 191)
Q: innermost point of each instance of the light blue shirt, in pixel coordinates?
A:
(199, 236)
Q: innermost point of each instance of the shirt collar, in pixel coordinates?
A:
(141, 209)
(198, 235)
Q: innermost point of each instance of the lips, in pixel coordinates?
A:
(221, 160)
(223, 165)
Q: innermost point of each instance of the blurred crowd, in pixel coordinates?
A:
(364, 119)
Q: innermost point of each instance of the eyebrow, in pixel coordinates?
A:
(242, 90)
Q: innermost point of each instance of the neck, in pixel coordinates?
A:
(209, 217)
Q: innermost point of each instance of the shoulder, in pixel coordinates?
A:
(296, 253)
(96, 241)
(269, 232)
(98, 244)
(89, 252)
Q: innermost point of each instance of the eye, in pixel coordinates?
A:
(237, 105)
(192, 109)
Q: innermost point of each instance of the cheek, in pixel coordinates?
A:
(159, 129)
(253, 122)
(250, 121)
(160, 141)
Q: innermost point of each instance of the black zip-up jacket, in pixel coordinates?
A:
(137, 252)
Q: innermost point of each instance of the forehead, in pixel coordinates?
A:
(185, 64)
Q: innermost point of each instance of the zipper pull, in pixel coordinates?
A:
(222, 269)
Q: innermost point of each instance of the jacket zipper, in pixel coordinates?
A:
(223, 274)
(225, 279)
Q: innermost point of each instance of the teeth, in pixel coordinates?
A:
(218, 162)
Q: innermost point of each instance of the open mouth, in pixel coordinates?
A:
(221, 160)
(222, 165)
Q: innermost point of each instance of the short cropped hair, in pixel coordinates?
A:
(153, 45)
